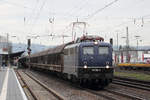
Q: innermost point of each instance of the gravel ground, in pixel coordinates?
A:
(27, 92)
(117, 97)
(73, 93)
(132, 91)
(68, 91)
(37, 89)
(132, 71)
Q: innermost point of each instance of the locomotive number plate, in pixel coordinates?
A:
(96, 70)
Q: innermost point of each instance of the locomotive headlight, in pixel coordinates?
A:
(96, 43)
(107, 66)
(85, 66)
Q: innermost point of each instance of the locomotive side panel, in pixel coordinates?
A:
(70, 62)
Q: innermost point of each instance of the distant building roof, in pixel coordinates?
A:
(3, 51)
(16, 54)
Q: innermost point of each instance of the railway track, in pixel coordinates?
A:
(111, 94)
(132, 97)
(108, 94)
(54, 93)
(24, 84)
(116, 95)
(103, 93)
(83, 90)
(99, 95)
(132, 83)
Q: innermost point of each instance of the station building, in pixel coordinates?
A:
(5, 50)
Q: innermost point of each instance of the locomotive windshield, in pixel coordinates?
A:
(88, 50)
(103, 50)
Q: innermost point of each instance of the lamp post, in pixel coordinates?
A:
(117, 31)
(127, 49)
(8, 47)
(137, 38)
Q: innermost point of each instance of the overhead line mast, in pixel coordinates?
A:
(127, 45)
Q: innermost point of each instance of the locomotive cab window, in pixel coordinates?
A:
(103, 50)
(88, 50)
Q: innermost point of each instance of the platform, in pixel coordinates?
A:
(10, 88)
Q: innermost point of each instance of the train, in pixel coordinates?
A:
(88, 60)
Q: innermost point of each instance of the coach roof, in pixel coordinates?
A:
(57, 49)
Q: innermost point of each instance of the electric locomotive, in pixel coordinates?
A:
(89, 60)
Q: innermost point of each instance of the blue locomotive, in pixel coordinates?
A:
(86, 61)
(90, 61)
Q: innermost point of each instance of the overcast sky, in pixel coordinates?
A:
(24, 18)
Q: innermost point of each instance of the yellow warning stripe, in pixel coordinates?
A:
(133, 65)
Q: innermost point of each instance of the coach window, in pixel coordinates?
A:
(66, 52)
(88, 50)
(36, 60)
(43, 59)
(49, 59)
(103, 50)
(71, 51)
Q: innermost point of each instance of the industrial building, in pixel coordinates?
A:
(131, 56)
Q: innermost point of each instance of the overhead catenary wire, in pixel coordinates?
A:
(28, 19)
(97, 11)
(101, 9)
(15, 4)
(32, 12)
(37, 16)
(132, 20)
(76, 8)
(80, 9)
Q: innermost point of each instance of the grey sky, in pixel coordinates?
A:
(106, 23)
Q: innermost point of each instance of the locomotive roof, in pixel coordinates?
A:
(91, 37)
(86, 44)
(91, 43)
(57, 49)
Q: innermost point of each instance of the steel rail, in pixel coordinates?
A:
(105, 96)
(129, 79)
(99, 94)
(25, 85)
(124, 95)
(132, 83)
(60, 97)
(89, 90)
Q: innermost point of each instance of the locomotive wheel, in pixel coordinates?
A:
(83, 83)
(73, 79)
